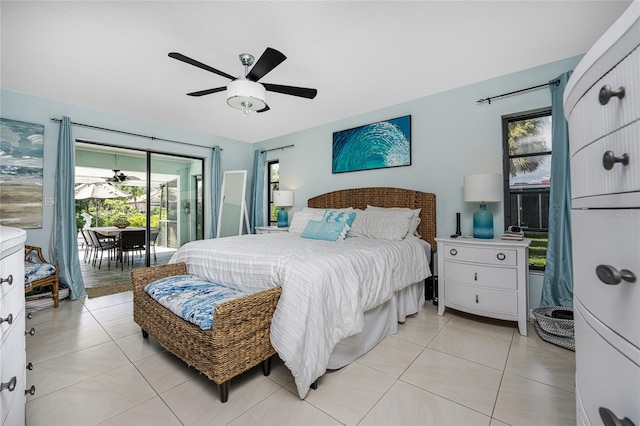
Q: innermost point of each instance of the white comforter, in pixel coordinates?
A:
(326, 286)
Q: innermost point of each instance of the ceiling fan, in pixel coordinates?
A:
(245, 93)
(119, 177)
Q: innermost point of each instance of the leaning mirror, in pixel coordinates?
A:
(233, 208)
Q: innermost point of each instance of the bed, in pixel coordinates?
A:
(339, 298)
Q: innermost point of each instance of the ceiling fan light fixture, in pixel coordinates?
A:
(246, 96)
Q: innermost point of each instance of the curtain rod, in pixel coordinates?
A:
(275, 149)
(57, 120)
(556, 82)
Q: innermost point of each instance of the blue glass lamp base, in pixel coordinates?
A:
(283, 218)
(483, 223)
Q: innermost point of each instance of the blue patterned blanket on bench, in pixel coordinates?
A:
(191, 297)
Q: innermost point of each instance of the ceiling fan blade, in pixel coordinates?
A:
(265, 109)
(302, 92)
(207, 92)
(270, 59)
(188, 60)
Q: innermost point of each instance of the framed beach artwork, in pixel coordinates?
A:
(21, 163)
(373, 146)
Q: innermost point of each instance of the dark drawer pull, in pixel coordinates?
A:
(31, 332)
(453, 252)
(606, 93)
(10, 385)
(610, 419)
(609, 160)
(610, 275)
(8, 280)
(30, 366)
(31, 390)
(501, 256)
(8, 319)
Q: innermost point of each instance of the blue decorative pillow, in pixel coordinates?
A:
(339, 216)
(329, 231)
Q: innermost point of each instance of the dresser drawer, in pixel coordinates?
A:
(608, 237)
(481, 299)
(590, 120)
(589, 177)
(484, 276)
(604, 376)
(12, 268)
(13, 364)
(488, 256)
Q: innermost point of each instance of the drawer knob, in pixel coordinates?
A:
(609, 160)
(8, 319)
(31, 390)
(8, 280)
(10, 385)
(606, 93)
(31, 332)
(453, 252)
(30, 366)
(610, 419)
(610, 275)
(501, 256)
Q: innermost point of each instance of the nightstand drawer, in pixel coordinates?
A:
(485, 276)
(480, 255)
(483, 299)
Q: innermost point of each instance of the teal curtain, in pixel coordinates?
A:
(216, 187)
(257, 192)
(65, 232)
(557, 287)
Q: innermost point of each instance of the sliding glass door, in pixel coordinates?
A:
(161, 194)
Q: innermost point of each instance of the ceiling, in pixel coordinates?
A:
(360, 55)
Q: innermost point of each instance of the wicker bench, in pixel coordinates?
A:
(238, 341)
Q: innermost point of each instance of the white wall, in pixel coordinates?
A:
(17, 106)
(451, 136)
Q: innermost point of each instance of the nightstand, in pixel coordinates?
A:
(270, 229)
(485, 277)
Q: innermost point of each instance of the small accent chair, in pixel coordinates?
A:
(40, 273)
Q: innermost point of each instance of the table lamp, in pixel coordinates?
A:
(483, 189)
(283, 199)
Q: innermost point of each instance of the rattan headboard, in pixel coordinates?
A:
(359, 198)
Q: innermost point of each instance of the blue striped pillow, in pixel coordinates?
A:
(339, 216)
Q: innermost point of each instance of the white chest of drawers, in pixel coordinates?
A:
(602, 105)
(484, 277)
(12, 326)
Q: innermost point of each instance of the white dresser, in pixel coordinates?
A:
(484, 277)
(12, 326)
(602, 105)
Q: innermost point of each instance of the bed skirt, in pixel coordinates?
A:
(379, 322)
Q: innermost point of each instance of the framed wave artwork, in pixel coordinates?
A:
(373, 146)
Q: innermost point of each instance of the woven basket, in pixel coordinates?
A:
(558, 331)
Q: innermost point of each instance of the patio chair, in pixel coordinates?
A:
(88, 244)
(40, 273)
(102, 243)
(130, 241)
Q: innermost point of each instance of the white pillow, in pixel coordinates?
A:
(301, 219)
(381, 224)
(415, 220)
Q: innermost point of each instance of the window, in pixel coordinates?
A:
(527, 162)
(273, 184)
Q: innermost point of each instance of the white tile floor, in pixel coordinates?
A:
(92, 366)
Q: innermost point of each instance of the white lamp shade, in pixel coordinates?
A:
(283, 198)
(245, 94)
(483, 188)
